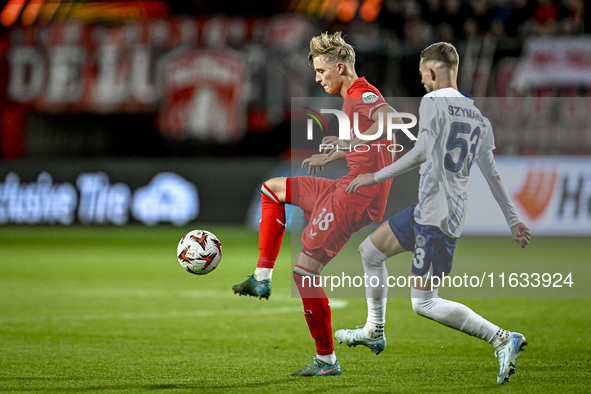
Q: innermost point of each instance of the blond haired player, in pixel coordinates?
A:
(452, 136)
(335, 214)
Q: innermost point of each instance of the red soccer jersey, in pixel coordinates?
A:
(364, 99)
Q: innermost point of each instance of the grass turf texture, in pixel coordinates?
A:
(109, 310)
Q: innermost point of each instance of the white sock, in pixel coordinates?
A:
(453, 314)
(374, 265)
(499, 338)
(330, 359)
(376, 310)
(373, 330)
(263, 273)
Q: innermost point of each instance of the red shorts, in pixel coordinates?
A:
(331, 223)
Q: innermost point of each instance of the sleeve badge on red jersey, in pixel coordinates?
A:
(369, 97)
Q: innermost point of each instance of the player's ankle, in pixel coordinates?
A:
(373, 330)
(500, 337)
(330, 359)
(263, 273)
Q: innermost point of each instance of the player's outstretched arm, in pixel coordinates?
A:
(521, 234)
(415, 157)
(361, 180)
(519, 230)
(318, 161)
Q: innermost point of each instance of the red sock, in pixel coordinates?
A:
(271, 228)
(316, 310)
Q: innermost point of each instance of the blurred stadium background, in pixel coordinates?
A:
(173, 111)
(125, 124)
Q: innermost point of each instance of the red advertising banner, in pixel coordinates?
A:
(75, 67)
(203, 96)
(205, 77)
(554, 61)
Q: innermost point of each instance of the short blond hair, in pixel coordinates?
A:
(332, 48)
(443, 52)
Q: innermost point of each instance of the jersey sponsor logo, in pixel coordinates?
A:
(370, 97)
(420, 241)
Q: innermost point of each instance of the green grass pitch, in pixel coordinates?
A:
(109, 310)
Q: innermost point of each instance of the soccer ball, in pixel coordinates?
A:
(199, 252)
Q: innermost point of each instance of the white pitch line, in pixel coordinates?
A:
(335, 304)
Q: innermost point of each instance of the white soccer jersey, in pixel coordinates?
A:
(461, 134)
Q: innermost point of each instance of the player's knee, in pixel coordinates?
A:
(371, 257)
(301, 280)
(423, 302)
(421, 306)
(275, 188)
